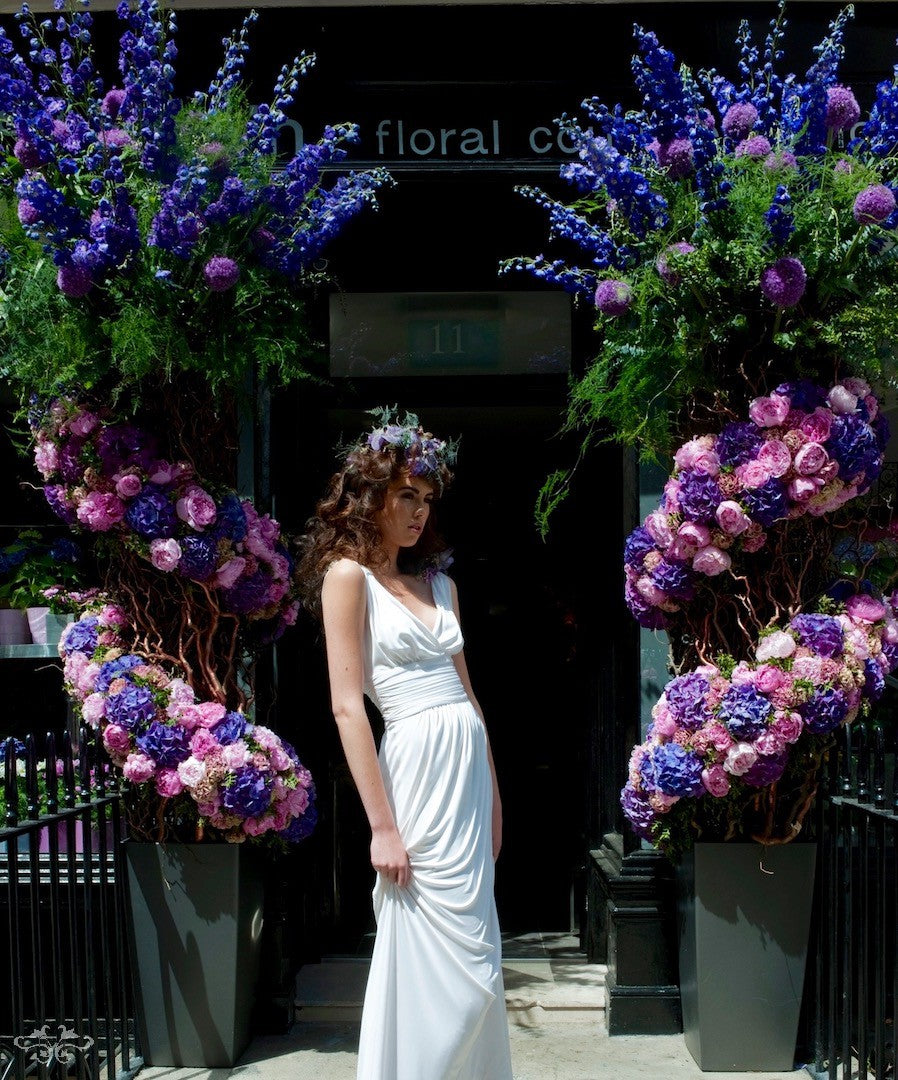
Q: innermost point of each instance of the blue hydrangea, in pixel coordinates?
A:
(686, 699)
(874, 680)
(824, 711)
(639, 543)
(248, 792)
(167, 746)
(745, 711)
(738, 443)
(112, 669)
(230, 729)
(676, 579)
(854, 446)
(699, 495)
(132, 707)
(672, 770)
(766, 770)
(638, 811)
(301, 827)
(151, 513)
(822, 633)
(767, 503)
(83, 636)
(199, 557)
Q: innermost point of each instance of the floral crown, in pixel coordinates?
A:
(419, 450)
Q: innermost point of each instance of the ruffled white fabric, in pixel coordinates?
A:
(435, 1002)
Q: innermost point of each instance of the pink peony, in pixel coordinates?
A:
(46, 458)
(191, 771)
(716, 781)
(774, 455)
(127, 486)
(841, 399)
(803, 487)
(753, 474)
(688, 453)
(865, 608)
(817, 424)
(116, 739)
(100, 511)
(168, 783)
(93, 709)
(196, 507)
(740, 758)
(236, 754)
(83, 424)
(769, 411)
(769, 678)
(775, 646)
(788, 725)
(659, 528)
(165, 554)
(857, 386)
(810, 459)
(711, 561)
(770, 743)
(209, 713)
(230, 572)
(694, 533)
(201, 742)
(732, 518)
(138, 768)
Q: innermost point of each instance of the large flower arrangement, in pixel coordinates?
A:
(736, 241)
(192, 766)
(732, 234)
(141, 234)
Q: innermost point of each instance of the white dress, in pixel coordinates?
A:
(435, 1002)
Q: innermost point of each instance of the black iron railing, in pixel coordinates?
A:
(66, 999)
(853, 978)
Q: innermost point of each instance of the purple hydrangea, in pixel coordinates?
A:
(151, 513)
(822, 633)
(249, 794)
(221, 273)
(613, 297)
(824, 711)
(686, 699)
(642, 611)
(767, 503)
(70, 466)
(120, 445)
(676, 579)
(890, 652)
(82, 636)
(302, 826)
(74, 281)
(672, 770)
(873, 205)
(842, 109)
(112, 669)
(199, 557)
(738, 443)
(784, 283)
(803, 393)
(132, 707)
(766, 770)
(739, 119)
(167, 746)
(250, 593)
(854, 446)
(55, 494)
(229, 730)
(699, 495)
(745, 711)
(638, 811)
(874, 680)
(230, 519)
(639, 543)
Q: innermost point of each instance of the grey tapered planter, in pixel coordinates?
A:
(743, 946)
(196, 914)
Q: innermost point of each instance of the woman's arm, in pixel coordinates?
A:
(462, 668)
(343, 610)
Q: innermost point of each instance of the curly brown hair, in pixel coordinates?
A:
(343, 525)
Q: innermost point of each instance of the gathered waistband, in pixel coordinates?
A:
(412, 688)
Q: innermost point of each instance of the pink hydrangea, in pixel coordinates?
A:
(84, 423)
(46, 458)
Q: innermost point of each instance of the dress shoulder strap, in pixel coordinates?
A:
(442, 591)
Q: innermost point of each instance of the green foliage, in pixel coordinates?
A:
(30, 566)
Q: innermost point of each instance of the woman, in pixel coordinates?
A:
(435, 1003)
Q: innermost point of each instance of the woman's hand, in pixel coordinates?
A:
(389, 857)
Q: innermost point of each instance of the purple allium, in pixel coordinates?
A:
(824, 711)
(613, 297)
(780, 160)
(822, 633)
(114, 138)
(686, 699)
(699, 495)
(637, 811)
(767, 503)
(230, 729)
(151, 513)
(676, 157)
(673, 770)
(844, 167)
(74, 281)
(676, 579)
(737, 443)
(250, 793)
(167, 746)
(739, 119)
(132, 707)
(745, 711)
(27, 212)
(27, 154)
(638, 544)
(842, 109)
(221, 273)
(663, 266)
(113, 102)
(766, 770)
(784, 283)
(873, 205)
(756, 147)
(82, 636)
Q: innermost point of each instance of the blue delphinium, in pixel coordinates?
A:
(779, 217)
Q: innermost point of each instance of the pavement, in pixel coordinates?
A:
(556, 1015)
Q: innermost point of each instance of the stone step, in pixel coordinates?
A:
(537, 990)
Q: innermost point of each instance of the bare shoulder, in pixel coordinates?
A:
(344, 571)
(344, 582)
